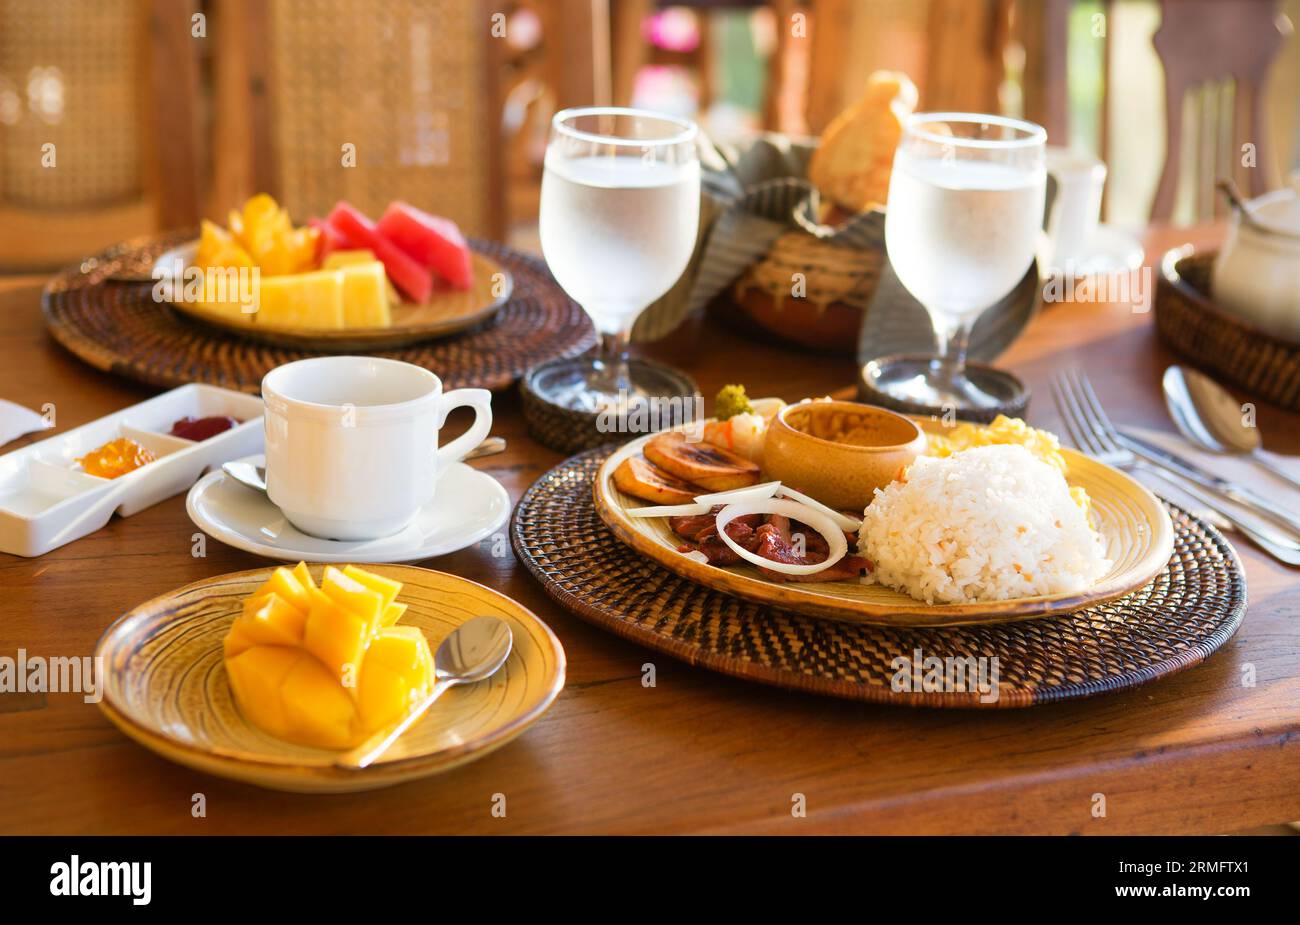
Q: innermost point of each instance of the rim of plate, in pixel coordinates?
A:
(246, 544)
(116, 711)
(506, 286)
(809, 603)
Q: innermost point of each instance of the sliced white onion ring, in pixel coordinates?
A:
(853, 525)
(795, 511)
(739, 495)
(669, 510)
(696, 556)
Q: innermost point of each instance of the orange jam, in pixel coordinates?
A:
(117, 457)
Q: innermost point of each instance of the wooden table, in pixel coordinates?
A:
(1198, 752)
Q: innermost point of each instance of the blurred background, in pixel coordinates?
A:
(124, 117)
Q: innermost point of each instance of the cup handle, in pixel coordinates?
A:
(478, 399)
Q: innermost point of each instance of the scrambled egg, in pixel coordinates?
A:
(1004, 430)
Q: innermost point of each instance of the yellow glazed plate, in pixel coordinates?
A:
(166, 687)
(1135, 526)
(447, 312)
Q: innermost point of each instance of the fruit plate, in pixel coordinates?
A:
(166, 687)
(1135, 526)
(447, 312)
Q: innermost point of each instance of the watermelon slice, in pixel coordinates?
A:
(430, 240)
(331, 239)
(360, 232)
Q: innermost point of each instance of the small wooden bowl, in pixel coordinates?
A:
(808, 448)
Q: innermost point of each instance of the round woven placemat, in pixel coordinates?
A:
(119, 328)
(1182, 616)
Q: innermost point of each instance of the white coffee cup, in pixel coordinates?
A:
(1075, 211)
(352, 442)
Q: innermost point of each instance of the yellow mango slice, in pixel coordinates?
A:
(258, 223)
(402, 648)
(325, 666)
(316, 709)
(218, 248)
(303, 300)
(291, 250)
(336, 637)
(365, 298)
(256, 677)
(277, 621)
(396, 675)
(303, 574)
(238, 639)
(286, 584)
(392, 613)
(354, 597)
(384, 696)
(388, 588)
(267, 620)
(337, 260)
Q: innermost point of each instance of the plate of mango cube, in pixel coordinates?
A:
(344, 282)
(267, 676)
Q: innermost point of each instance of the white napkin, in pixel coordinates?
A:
(15, 421)
(1240, 469)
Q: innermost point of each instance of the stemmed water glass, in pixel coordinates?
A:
(620, 208)
(962, 224)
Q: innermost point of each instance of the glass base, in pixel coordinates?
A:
(583, 384)
(915, 385)
(929, 386)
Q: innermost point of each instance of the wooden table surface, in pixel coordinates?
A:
(1197, 752)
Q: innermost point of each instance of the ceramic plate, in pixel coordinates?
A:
(1138, 535)
(445, 313)
(166, 687)
(468, 506)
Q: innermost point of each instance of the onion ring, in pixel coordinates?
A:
(669, 510)
(844, 520)
(737, 495)
(803, 513)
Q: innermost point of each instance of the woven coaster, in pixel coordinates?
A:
(1183, 615)
(118, 327)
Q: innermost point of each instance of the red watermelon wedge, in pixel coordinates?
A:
(430, 240)
(360, 232)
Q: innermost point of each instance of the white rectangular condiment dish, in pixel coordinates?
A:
(47, 500)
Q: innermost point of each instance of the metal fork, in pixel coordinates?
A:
(1093, 434)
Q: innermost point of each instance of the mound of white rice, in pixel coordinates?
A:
(985, 524)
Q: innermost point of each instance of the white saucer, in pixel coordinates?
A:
(468, 506)
(1110, 251)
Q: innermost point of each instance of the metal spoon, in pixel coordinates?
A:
(1208, 416)
(475, 651)
(255, 476)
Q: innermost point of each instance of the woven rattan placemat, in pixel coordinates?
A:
(1182, 616)
(119, 328)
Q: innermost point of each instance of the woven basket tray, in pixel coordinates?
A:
(1185, 614)
(1190, 322)
(119, 328)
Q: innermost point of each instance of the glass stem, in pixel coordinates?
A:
(615, 375)
(954, 338)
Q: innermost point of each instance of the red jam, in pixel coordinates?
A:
(197, 429)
